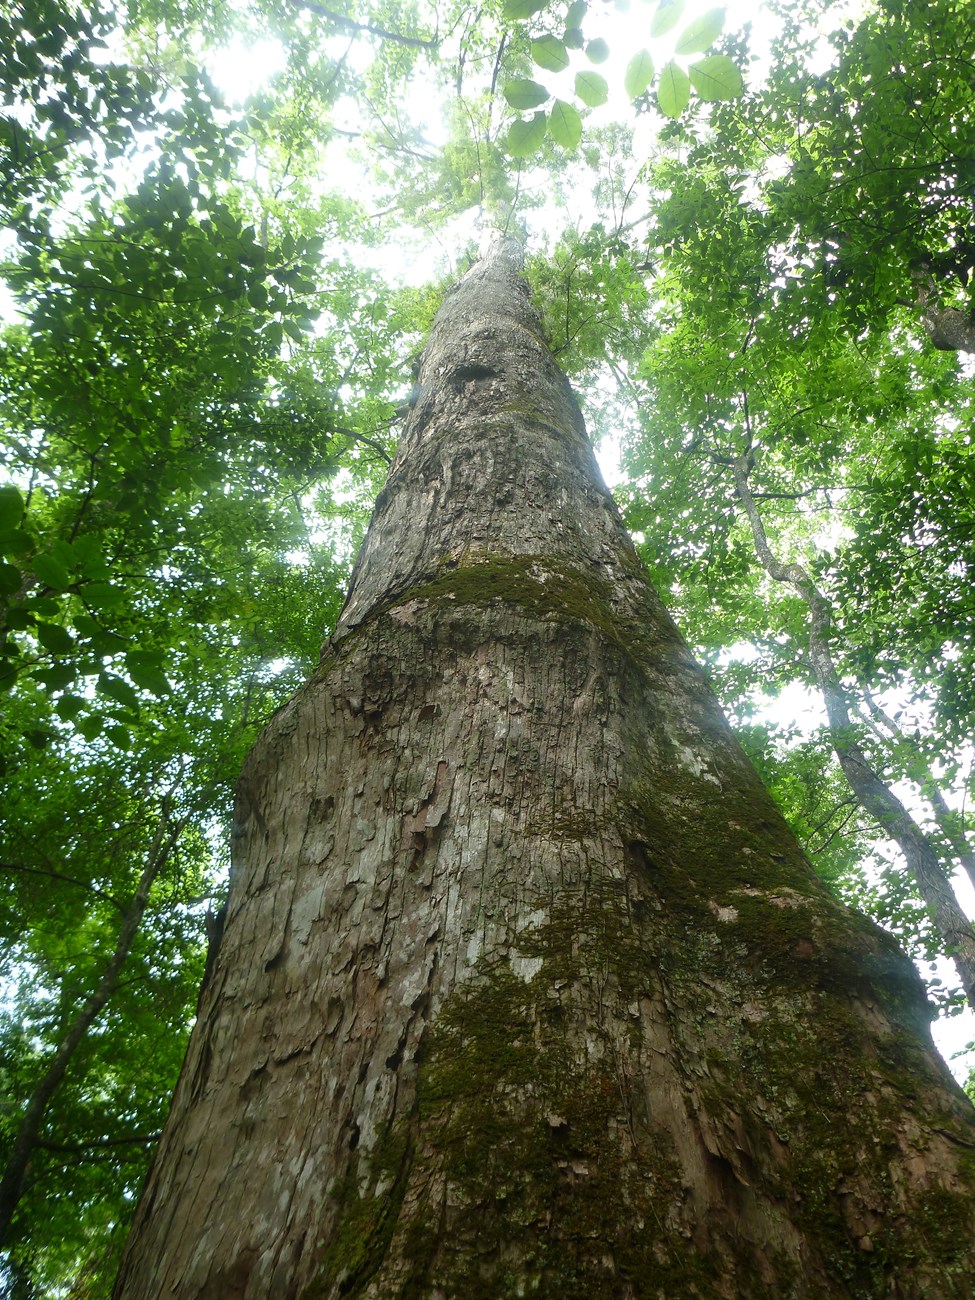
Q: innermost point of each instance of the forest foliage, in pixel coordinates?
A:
(753, 246)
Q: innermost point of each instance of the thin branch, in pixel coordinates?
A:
(340, 20)
(79, 1148)
(366, 441)
(68, 880)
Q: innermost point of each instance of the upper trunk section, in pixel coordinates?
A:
(494, 458)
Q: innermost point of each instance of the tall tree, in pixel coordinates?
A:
(525, 987)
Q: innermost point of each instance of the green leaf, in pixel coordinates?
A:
(51, 573)
(10, 579)
(577, 12)
(565, 125)
(11, 506)
(525, 136)
(293, 329)
(143, 668)
(69, 706)
(519, 9)
(597, 51)
(15, 542)
(56, 678)
(673, 90)
(701, 33)
(668, 12)
(150, 679)
(54, 637)
(639, 74)
(64, 553)
(549, 52)
(591, 88)
(118, 689)
(19, 619)
(120, 736)
(523, 94)
(102, 595)
(573, 38)
(90, 727)
(716, 77)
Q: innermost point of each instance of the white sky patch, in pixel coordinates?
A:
(243, 66)
(608, 455)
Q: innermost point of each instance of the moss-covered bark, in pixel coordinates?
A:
(525, 987)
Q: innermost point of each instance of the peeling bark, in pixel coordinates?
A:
(525, 988)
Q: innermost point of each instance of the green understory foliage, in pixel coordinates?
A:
(214, 298)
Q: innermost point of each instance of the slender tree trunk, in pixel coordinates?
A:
(525, 988)
(28, 1134)
(872, 792)
(950, 823)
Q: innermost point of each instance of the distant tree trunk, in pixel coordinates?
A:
(525, 987)
(27, 1137)
(874, 794)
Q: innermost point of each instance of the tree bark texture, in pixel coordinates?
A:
(525, 988)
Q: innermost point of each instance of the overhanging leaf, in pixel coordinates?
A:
(597, 51)
(565, 125)
(51, 573)
(522, 94)
(11, 506)
(118, 689)
(668, 12)
(10, 579)
(91, 726)
(549, 52)
(54, 638)
(120, 736)
(591, 88)
(716, 77)
(525, 136)
(639, 74)
(519, 9)
(701, 33)
(150, 679)
(102, 595)
(577, 11)
(673, 90)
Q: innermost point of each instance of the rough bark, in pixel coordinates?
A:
(872, 792)
(525, 988)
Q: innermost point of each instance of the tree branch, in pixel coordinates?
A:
(340, 20)
(79, 1148)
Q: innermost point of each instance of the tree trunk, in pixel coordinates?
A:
(525, 988)
(874, 795)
